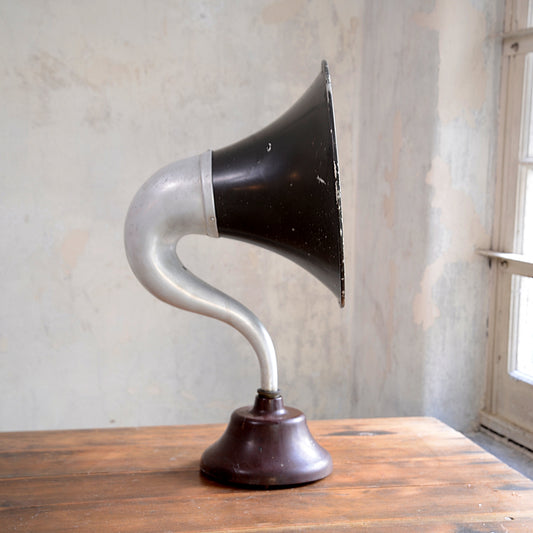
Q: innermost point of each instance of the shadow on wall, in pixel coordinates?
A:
(424, 196)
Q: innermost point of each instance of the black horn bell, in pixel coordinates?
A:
(280, 188)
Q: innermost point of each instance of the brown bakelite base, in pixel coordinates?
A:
(267, 445)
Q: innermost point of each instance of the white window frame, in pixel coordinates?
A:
(509, 401)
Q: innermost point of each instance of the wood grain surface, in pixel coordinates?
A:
(398, 474)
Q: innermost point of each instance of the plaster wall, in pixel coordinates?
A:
(97, 96)
(429, 98)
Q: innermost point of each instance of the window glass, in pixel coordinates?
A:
(524, 220)
(527, 115)
(521, 359)
(521, 332)
(528, 102)
(527, 216)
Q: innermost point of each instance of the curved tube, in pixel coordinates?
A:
(176, 201)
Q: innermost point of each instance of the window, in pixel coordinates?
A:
(509, 405)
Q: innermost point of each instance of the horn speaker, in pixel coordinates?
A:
(278, 189)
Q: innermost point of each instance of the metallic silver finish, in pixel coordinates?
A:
(207, 190)
(176, 201)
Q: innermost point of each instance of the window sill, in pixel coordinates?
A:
(517, 263)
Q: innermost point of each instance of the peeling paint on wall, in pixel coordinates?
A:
(454, 212)
(281, 10)
(72, 247)
(462, 71)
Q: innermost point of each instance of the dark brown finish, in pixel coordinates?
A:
(392, 475)
(267, 445)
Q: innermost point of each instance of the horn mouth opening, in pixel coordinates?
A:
(331, 113)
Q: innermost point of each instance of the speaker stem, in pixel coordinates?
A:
(177, 201)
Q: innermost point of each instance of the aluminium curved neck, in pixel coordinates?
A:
(177, 201)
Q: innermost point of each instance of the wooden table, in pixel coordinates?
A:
(393, 475)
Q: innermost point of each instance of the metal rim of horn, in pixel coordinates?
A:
(280, 189)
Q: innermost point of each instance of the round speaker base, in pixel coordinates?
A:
(266, 446)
